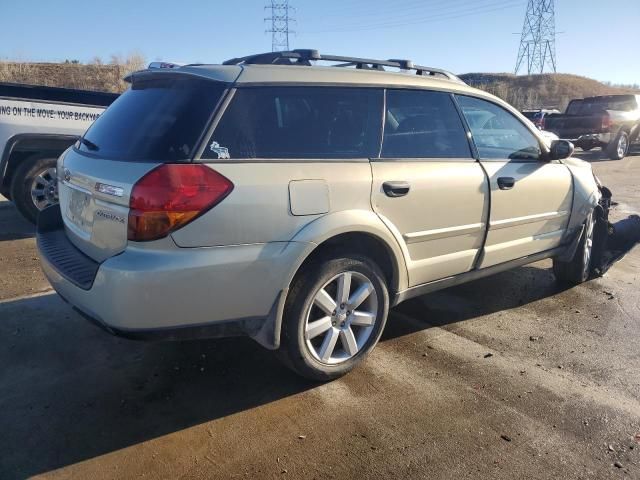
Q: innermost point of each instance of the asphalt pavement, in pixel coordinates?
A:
(506, 377)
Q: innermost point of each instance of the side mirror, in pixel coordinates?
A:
(561, 149)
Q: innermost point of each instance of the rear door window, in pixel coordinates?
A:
(299, 122)
(157, 119)
(497, 133)
(423, 124)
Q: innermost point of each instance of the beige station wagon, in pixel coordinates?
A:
(295, 197)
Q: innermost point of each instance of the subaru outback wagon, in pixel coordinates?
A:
(295, 197)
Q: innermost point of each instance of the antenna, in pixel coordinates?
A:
(280, 20)
(538, 38)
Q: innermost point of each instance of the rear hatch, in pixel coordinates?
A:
(159, 120)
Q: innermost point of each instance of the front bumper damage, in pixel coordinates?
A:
(611, 241)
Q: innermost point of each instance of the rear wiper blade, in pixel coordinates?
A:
(89, 144)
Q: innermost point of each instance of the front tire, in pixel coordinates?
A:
(578, 269)
(34, 186)
(334, 315)
(617, 149)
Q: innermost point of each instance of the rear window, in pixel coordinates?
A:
(299, 122)
(597, 105)
(157, 119)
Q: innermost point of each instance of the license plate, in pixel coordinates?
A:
(78, 203)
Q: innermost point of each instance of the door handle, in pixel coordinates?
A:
(395, 189)
(506, 183)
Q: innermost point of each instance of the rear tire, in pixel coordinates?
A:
(578, 269)
(617, 149)
(34, 186)
(334, 315)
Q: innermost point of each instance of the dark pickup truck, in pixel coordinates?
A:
(611, 122)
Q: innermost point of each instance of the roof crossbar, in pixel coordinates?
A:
(305, 57)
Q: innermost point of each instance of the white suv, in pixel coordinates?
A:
(296, 203)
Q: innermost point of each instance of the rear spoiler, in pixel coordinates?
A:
(155, 66)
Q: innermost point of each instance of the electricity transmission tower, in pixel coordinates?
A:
(280, 21)
(538, 39)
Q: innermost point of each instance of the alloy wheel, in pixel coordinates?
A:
(341, 318)
(44, 189)
(622, 146)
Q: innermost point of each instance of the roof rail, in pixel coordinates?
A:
(304, 57)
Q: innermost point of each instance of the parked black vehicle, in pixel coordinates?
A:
(611, 122)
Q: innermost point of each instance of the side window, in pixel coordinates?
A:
(423, 124)
(497, 133)
(299, 122)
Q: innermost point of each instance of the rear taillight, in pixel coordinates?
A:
(172, 195)
(606, 122)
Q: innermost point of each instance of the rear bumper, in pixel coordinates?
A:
(590, 139)
(147, 292)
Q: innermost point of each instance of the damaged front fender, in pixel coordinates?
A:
(586, 194)
(589, 195)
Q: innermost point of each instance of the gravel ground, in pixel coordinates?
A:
(507, 377)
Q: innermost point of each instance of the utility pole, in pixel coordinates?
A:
(280, 21)
(538, 39)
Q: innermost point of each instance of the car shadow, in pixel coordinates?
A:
(504, 291)
(69, 392)
(13, 226)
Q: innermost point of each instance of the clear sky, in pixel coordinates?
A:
(601, 39)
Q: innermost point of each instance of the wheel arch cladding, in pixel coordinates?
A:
(343, 232)
(355, 231)
(353, 242)
(359, 243)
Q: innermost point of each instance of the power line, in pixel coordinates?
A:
(390, 10)
(281, 20)
(538, 39)
(445, 15)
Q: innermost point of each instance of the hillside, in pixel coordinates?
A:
(92, 76)
(525, 91)
(535, 91)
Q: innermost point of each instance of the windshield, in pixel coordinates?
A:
(157, 119)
